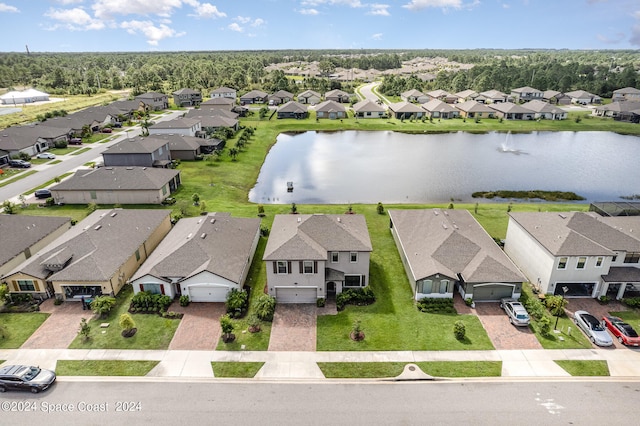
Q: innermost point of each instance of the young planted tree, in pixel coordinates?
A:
(127, 325)
(227, 329)
(85, 329)
(196, 199)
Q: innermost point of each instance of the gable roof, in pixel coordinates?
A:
(412, 93)
(186, 91)
(451, 242)
(254, 94)
(178, 142)
(151, 95)
(309, 93)
(137, 145)
(525, 89)
(20, 137)
(438, 93)
(627, 91)
(176, 123)
(493, 94)
(311, 237)
(336, 92)
(466, 94)
(473, 106)
(330, 106)
(225, 249)
(405, 106)
(223, 90)
(97, 246)
(542, 106)
(283, 94)
(367, 105)
(509, 107)
(117, 178)
(218, 102)
(438, 105)
(20, 232)
(293, 106)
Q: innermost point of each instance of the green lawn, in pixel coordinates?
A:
(246, 370)
(63, 151)
(154, 332)
(462, 368)
(361, 370)
(104, 368)
(80, 151)
(584, 368)
(12, 175)
(18, 327)
(630, 317)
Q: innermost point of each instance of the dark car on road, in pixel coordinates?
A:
(24, 377)
(21, 164)
(42, 193)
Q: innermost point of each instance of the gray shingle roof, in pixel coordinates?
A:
(186, 91)
(405, 106)
(117, 178)
(473, 106)
(329, 106)
(178, 123)
(254, 94)
(137, 145)
(439, 106)
(20, 232)
(509, 107)
(311, 237)
(223, 90)
(451, 242)
(293, 106)
(368, 105)
(542, 106)
(225, 250)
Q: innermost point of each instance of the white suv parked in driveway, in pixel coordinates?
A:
(518, 315)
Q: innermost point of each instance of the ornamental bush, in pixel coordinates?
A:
(264, 307)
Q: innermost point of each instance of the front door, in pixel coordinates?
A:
(331, 289)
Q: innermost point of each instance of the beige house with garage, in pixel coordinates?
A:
(316, 256)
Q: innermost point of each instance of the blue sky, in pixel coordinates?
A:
(170, 25)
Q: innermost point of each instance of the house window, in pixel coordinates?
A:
(153, 288)
(426, 286)
(26, 285)
(335, 256)
(307, 267)
(444, 285)
(164, 190)
(615, 256)
(353, 281)
(160, 151)
(92, 194)
(562, 263)
(581, 262)
(599, 261)
(632, 258)
(353, 256)
(282, 267)
(137, 255)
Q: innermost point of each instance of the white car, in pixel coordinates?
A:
(517, 313)
(592, 328)
(46, 155)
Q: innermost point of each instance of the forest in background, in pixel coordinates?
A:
(599, 72)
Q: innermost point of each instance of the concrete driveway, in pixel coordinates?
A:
(596, 309)
(502, 333)
(199, 328)
(294, 328)
(59, 330)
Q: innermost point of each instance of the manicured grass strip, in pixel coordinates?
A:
(462, 368)
(104, 368)
(55, 162)
(22, 175)
(47, 183)
(630, 317)
(244, 370)
(80, 151)
(361, 370)
(17, 327)
(63, 151)
(584, 368)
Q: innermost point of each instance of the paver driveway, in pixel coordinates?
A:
(502, 333)
(596, 309)
(294, 328)
(59, 330)
(199, 328)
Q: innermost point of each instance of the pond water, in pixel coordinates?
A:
(391, 167)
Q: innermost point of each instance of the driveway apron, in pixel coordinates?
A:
(59, 330)
(294, 328)
(199, 328)
(502, 333)
(596, 309)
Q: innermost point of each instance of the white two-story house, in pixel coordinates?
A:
(316, 256)
(577, 254)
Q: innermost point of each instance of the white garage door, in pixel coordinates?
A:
(296, 295)
(207, 293)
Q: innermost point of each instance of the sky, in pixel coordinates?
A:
(194, 25)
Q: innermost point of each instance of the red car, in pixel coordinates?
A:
(623, 331)
(106, 130)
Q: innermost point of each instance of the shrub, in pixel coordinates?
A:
(351, 296)
(126, 323)
(545, 326)
(459, 330)
(148, 302)
(227, 327)
(533, 305)
(254, 323)
(57, 301)
(436, 305)
(237, 301)
(556, 305)
(468, 301)
(604, 299)
(380, 208)
(85, 328)
(264, 307)
(184, 300)
(102, 305)
(320, 302)
(632, 302)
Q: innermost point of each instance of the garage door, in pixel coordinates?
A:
(207, 293)
(296, 295)
(492, 292)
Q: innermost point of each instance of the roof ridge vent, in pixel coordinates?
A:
(204, 235)
(97, 227)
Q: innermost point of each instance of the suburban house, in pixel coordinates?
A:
(117, 185)
(330, 109)
(583, 97)
(337, 95)
(32, 139)
(182, 126)
(202, 257)
(406, 110)
(466, 95)
(23, 236)
(577, 254)
(224, 92)
(309, 97)
(511, 111)
(23, 97)
(187, 97)
(436, 108)
(473, 109)
(141, 152)
(4, 158)
(224, 103)
(280, 97)
(95, 257)
(555, 97)
(156, 101)
(442, 95)
(621, 110)
(414, 95)
(213, 118)
(74, 124)
(254, 97)
(626, 94)
(444, 251)
(316, 256)
(545, 110)
(491, 97)
(369, 109)
(293, 109)
(189, 147)
(526, 93)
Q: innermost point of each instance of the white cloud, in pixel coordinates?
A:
(235, 27)
(74, 19)
(308, 12)
(243, 19)
(68, 2)
(206, 11)
(377, 36)
(379, 9)
(246, 20)
(350, 3)
(424, 4)
(152, 32)
(110, 8)
(258, 22)
(7, 8)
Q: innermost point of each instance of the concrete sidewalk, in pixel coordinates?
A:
(303, 365)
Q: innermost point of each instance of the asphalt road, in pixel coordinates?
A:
(367, 91)
(370, 403)
(46, 173)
